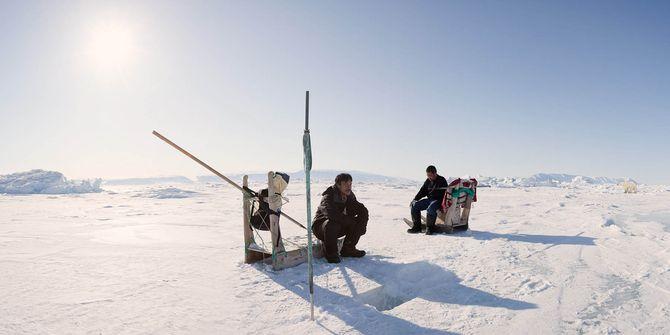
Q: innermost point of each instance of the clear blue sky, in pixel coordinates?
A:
(506, 88)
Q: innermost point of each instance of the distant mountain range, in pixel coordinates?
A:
(540, 179)
(316, 176)
(548, 179)
(149, 181)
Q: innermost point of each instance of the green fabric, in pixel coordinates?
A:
(307, 151)
(455, 193)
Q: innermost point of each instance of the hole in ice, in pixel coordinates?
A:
(381, 299)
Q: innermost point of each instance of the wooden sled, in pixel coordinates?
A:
(279, 256)
(455, 210)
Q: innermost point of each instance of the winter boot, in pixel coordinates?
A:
(351, 252)
(416, 224)
(430, 224)
(349, 247)
(329, 244)
(330, 256)
(333, 259)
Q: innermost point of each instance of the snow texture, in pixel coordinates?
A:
(540, 260)
(45, 182)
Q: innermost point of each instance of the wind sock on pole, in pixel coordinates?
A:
(307, 150)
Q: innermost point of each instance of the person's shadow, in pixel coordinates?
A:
(398, 284)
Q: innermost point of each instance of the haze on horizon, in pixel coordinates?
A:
(490, 88)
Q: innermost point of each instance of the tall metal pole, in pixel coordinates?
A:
(307, 150)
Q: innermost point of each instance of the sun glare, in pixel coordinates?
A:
(111, 46)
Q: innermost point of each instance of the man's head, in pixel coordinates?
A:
(343, 183)
(431, 172)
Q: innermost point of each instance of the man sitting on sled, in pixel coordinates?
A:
(433, 190)
(340, 214)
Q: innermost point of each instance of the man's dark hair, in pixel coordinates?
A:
(342, 177)
(431, 169)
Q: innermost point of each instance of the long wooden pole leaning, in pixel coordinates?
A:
(212, 170)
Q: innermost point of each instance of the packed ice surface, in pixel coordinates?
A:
(45, 182)
(166, 193)
(543, 260)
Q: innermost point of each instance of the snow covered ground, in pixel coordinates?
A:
(163, 259)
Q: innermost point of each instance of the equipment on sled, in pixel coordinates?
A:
(455, 209)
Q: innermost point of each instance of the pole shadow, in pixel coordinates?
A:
(529, 238)
(398, 284)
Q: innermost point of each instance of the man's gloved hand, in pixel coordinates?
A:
(411, 204)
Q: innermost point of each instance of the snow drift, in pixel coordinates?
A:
(45, 182)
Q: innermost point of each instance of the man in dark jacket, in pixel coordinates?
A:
(433, 190)
(340, 214)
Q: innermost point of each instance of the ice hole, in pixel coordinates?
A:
(381, 299)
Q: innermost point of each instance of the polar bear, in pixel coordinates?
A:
(629, 187)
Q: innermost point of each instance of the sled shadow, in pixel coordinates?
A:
(528, 238)
(429, 282)
(397, 284)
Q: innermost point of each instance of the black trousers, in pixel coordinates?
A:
(351, 227)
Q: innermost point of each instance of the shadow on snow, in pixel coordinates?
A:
(528, 238)
(398, 284)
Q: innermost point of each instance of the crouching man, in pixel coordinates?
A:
(433, 191)
(340, 214)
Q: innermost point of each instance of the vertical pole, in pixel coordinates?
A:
(274, 201)
(307, 150)
(246, 215)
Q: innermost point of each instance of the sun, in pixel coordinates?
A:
(111, 46)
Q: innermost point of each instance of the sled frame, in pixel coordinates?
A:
(455, 217)
(277, 255)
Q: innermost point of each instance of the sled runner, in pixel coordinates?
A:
(455, 209)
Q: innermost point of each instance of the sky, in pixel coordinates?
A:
(496, 88)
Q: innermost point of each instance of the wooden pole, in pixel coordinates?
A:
(212, 170)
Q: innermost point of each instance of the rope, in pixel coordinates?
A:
(253, 204)
(256, 199)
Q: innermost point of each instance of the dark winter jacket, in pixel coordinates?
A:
(333, 207)
(434, 190)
